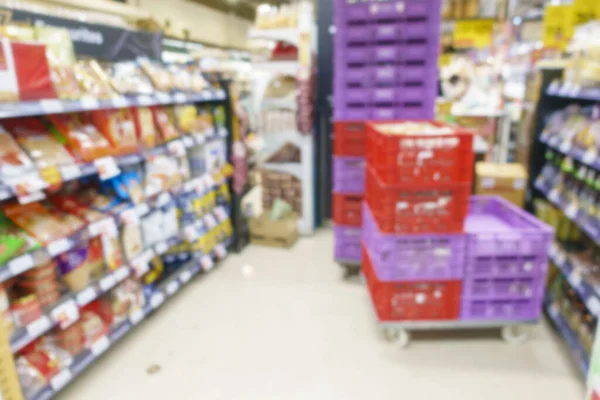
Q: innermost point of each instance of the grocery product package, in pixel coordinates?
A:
(36, 221)
(118, 127)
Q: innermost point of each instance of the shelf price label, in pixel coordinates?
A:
(207, 263)
(61, 379)
(21, 264)
(161, 248)
(221, 251)
(172, 287)
(136, 316)
(185, 276)
(39, 326)
(589, 156)
(108, 282)
(191, 233)
(89, 103)
(107, 168)
(59, 246)
(100, 346)
(65, 314)
(571, 211)
(70, 172)
(157, 299)
(130, 217)
(177, 148)
(106, 227)
(121, 273)
(86, 296)
(52, 106)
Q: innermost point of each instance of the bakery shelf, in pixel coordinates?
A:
(589, 158)
(587, 223)
(588, 292)
(567, 91)
(76, 171)
(162, 293)
(578, 352)
(56, 106)
(41, 256)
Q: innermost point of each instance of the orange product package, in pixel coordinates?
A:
(73, 205)
(36, 221)
(145, 128)
(42, 147)
(118, 127)
(70, 222)
(82, 138)
(165, 120)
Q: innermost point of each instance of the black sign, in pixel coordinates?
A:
(103, 42)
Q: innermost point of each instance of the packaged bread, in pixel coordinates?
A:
(83, 139)
(37, 221)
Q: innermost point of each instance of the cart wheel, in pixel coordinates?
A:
(514, 334)
(397, 335)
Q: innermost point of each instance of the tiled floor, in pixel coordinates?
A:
(278, 324)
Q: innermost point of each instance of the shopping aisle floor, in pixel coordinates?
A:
(279, 324)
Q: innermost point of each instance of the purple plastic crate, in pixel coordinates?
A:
(496, 227)
(352, 112)
(505, 267)
(347, 243)
(349, 174)
(351, 95)
(505, 310)
(503, 288)
(376, 10)
(413, 257)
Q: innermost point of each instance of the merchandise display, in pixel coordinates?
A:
(95, 162)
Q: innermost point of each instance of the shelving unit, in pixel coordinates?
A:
(302, 138)
(554, 96)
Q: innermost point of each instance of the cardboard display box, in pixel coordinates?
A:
(505, 180)
(265, 231)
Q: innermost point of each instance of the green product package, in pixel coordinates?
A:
(280, 210)
(13, 240)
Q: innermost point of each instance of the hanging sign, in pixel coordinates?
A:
(473, 33)
(558, 25)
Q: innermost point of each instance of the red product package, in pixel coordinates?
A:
(33, 71)
(118, 127)
(165, 122)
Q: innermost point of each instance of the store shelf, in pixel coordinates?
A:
(587, 223)
(567, 91)
(589, 158)
(41, 256)
(76, 171)
(162, 293)
(55, 106)
(288, 35)
(579, 354)
(589, 293)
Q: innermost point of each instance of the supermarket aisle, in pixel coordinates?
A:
(276, 324)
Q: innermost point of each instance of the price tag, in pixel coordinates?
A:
(61, 379)
(21, 264)
(39, 326)
(589, 156)
(140, 264)
(108, 282)
(89, 103)
(220, 94)
(161, 248)
(172, 287)
(209, 221)
(554, 196)
(120, 102)
(31, 197)
(121, 273)
(163, 200)
(70, 172)
(221, 251)
(52, 106)
(199, 139)
(571, 211)
(86, 296)
(164, 97)
(65, 314)
(180, 98)
(552, 250)
(560, 258)
(207, 95)
(185, 276)
(208, 180)
(106, 227)
(59, 246)
(142, 209)
(177, 148)
(100, 346)
(107, 168)
(565, 147)
(157, 299)
(575, 279)
(221, 214)
(207, 263)
(144, 100)
(130, 217)
(593, 305)
(136, 316)
(191, 233)
(188, 142)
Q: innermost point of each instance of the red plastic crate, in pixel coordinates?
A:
(347, 209)
(417, 208)
(411, 301)
(420, 158)
(350, 138)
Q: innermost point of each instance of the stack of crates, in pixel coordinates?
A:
(386, 55)
(418, 182)
(385, 68)
(348, 189)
